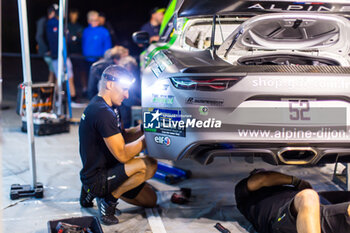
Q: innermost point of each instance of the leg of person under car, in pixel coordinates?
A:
(306, 203)
(307, 206)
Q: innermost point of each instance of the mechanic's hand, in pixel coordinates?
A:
(154, 39)
(300, 184)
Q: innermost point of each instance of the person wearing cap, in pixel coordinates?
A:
(107, 150)
(276, 202)
(153, 26)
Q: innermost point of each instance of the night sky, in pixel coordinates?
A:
(125, 16)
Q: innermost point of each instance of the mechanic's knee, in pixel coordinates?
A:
(308, 198)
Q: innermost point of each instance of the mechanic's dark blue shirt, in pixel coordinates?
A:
(152, 30)
(96, 40)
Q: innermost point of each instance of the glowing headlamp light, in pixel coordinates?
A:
(123, 81)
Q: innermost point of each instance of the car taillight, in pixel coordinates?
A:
(204, 83)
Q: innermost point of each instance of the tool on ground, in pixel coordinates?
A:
(167, 178)
(181, 197)
(174, 170)
(221, 228)
(170, 174)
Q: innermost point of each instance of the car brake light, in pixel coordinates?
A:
(204, 83)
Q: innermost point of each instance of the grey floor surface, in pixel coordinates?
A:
(58, 166)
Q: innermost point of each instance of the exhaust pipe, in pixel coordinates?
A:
(297, 155)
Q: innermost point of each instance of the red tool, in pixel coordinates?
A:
(221, 228)
(182, 197)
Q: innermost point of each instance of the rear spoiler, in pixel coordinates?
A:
(195, 8)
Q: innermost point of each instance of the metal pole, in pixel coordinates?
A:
(62, 6)
(23, 23)
(0, 59)
(347, 174)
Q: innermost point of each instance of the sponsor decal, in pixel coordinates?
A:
(155, 69)
(163, 140)
(203, 110)
(151, 120)
(193, 123)
(299, 6)
(161, 62)
(163, 99)
(171, 122)
(206, 101)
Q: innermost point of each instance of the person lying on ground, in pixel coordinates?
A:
(275, 202)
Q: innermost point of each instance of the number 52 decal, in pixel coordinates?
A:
(298, 110)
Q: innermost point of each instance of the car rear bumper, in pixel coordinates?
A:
(275, 154)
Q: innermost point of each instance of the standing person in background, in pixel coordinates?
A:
(153, 26)
(130, 64)
(52, 37)
(42, 43)
(111, 57)
(74, 48)
(96, 40)
(105, 23)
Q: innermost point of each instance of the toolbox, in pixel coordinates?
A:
(45, 121)
(87, 221)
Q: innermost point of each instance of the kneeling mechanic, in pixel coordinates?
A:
(107, 150)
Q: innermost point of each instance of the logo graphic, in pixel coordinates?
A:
(151, 120)
(190, 100)
(162, 140)
(282, 217)
(163, 99)
(206, 101)
(203, 110)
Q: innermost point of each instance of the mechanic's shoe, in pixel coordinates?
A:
(86, 199)
(106, 211)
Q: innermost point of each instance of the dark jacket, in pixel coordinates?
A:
(40, 36)
(96, 71)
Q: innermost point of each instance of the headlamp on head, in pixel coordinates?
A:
(124, 81)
